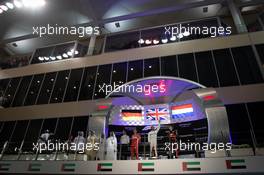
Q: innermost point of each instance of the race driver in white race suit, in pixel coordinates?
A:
(152, 139)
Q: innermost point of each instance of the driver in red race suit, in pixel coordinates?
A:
(135, 140)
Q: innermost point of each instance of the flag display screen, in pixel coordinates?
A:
(132, 115)
(181, 111)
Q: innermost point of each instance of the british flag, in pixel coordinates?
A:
(155, 114)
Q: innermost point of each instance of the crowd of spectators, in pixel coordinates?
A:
(15, 61)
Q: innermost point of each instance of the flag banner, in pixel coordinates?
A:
(104, 166)
(148, 166)
(236, 164)
(4, 166)
(181, 111)
(156, 114)
(191, 166)
(34, 167)
(132, 115)
(68, 167)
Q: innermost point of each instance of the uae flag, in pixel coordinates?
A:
(148, 166)
(4, 166)
(34, 167)
(104, 166)
(182, 111)
(69, 167)
(191, 166)
(236, 164)
(132, 115)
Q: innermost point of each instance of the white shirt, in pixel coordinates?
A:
(152, 135)
(124, 139)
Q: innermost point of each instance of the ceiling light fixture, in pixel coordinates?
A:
(148, 41)
(164, 40)
(141, 41)
(186, 33)
(180, 36)
(46, 58)
(18, 4)
(40, 58)
(65, 55)
(53, 58)
(9, 5)
(1, 11)
(59, 57)
(3, 7)
(155, 41)
(173, 38)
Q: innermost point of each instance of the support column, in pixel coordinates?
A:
(91, 45)
(237, 17)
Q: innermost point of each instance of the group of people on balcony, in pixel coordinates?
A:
(107, 149)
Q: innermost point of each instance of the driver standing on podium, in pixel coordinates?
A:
(135, 140)
(152, 139)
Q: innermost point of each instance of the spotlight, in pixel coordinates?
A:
(33, 3)
(164, 40)
(46, 58)
(1, 11)
(9, 5)
(148, 41)
(65, 55)
(180, 36)
(3, 7)
(141, 41)
(40, 58)
(53, 58)
(186, 33)
(173, 38)
(59, 57)
(18, 4)
(155, 41)
(76, 52)
(69, 53)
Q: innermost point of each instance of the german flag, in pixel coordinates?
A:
(132, 115)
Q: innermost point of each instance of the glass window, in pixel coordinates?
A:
(151, 67)
(260, 49)
(88, 83)
(206, 69)
(169, 66)
(73, 85)
(47, 87)
(6, 132)
(247, 65)
(81, 50)
(49, 124)
(3, 86)
(187, 68)
(34, 90)
(22, 91)
(17, 136)
(63, 129)
(225, 68)
(256, 112)
(10, 92)
(122, 41)
(103, 78)
(60, 86)
(32, 134)
(135, 70)
(240, 133)
(119, 73)
(79, 124)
